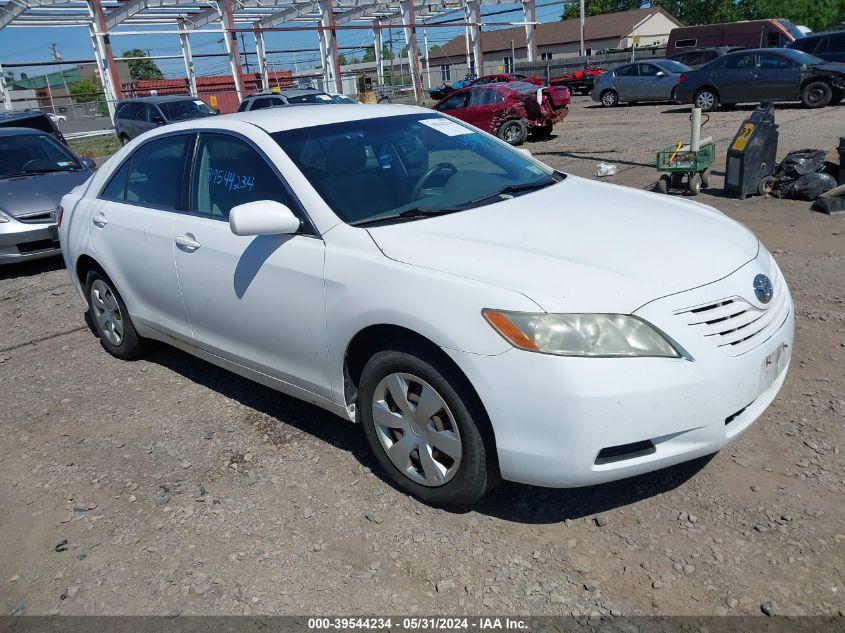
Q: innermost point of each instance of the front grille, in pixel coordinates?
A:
(736, 326)
(36, 218)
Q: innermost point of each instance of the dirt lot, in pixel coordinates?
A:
(181, 488)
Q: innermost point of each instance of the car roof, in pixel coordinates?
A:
(293, 92)
(160, 98)
(21, 131)
(290, 117)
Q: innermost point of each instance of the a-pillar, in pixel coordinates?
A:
(261, 52)
(185, 41)
(472, 10)
(230, 38)
(105, 58)
(529, 16)
(328, 42)
(409, 20)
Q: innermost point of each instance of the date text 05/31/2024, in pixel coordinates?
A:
(416, 624)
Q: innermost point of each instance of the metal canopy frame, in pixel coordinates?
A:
(109, 18)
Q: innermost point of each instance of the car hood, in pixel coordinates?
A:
(38, 192)
(832, 67)
(578, 246)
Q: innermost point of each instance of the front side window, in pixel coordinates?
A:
(627, 71)
(397, 167)
(229, 172)
(455, 102)
(24, 154)
(743, 61)
(647, 70)
(155, 172)
(317, 97)
(772, 61)
(185, 109)
(265, 102)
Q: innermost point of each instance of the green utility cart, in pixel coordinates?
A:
(678, 164)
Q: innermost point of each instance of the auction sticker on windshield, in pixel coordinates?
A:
(447, 127)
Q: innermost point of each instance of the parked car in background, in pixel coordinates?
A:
(35, 172)
(262, 100)
(56, 118)
(345, 99)
(580, 81)
(827, 46)
(745, 34)
(480, 314)
(31, 119)
(763, 74)
(510, 110)
(498, 78)
(654, 80)
(699, 56)
(133, 117)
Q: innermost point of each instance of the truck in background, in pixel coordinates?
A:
(775, 33)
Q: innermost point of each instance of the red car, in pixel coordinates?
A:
(509, 110)
(504, 78)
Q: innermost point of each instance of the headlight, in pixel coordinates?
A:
(4, 218)
(581, 334)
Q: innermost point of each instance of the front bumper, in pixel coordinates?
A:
(22, 241)
(566, 422)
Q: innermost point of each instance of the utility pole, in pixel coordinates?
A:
(57, 57)
(583, 50)
(246, 57)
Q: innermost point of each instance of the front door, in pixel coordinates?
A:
(485, 103)
(776, 77)
(131, 232)
(655, 84)
(257, 301)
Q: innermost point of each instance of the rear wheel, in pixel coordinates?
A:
(816, 94)
(513, 132)
(111, 318)
(706, 99)
(609, 99)
(425, 428)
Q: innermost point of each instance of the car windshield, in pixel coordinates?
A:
(317, 97)
(405, 167)
(793, 30)
(186, 109)
(803, 58)
(672, 66)
(25, 154)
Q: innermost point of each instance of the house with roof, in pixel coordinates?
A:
(503, 48)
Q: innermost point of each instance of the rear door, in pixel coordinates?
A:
(776, 77)
(132, 231)
(627, 82)
(733, 78)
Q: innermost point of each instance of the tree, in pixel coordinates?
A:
(819, 15)
(595, 7)
(370, 54)
(142, 69)
(87, 90)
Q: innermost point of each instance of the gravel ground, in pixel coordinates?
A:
(167, 486)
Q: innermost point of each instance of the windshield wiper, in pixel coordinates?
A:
(531, 186)
(407, 214)
(34, 172)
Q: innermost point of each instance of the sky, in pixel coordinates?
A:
(33, 45)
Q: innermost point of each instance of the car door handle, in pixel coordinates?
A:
(99, 220)
(187, 243)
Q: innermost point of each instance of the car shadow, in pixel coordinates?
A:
(744, 107)
(28, 269)
(509, 501)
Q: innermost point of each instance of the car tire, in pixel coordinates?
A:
(663, 184)
(419, 466)
(609, 99)
(111, 318)
(816, 94)
(124, 139)
(513, 132)
(706, 99)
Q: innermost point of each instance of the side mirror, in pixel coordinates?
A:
(157, 120)
(660, 73)
(263, 217)
(90, 163)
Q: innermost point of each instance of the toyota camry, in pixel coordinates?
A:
(480, 314)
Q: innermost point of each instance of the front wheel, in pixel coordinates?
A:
(513, 132)
(706, 99)
(817, 94)
(111, 318)
(425, 428)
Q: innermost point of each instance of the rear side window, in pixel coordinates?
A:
(264, 102)
(155, 174)
(229, 172)
(131, 110)
(836, 43)
(806, 44)
(116, 189)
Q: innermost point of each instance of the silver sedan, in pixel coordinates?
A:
(654, 80)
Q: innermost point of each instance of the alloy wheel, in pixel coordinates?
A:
(416, 429)
(107, 312)
(608, 98)
(512, 134)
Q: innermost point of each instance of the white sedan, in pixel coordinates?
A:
(479, 313)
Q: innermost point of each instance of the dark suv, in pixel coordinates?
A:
(697, 57)
(133, 117)
(263, 100)
(31, 119)
(829, 46)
